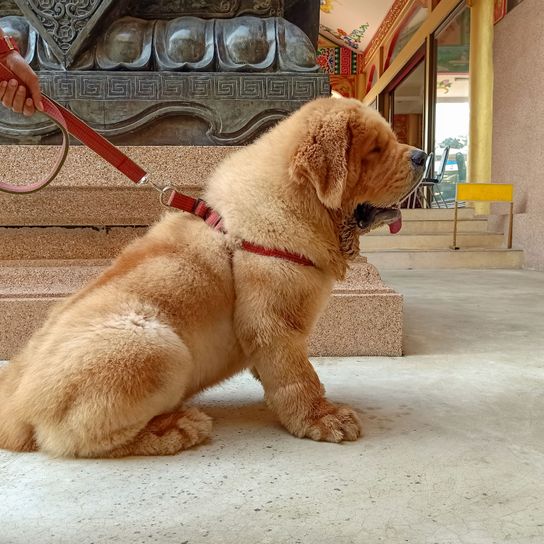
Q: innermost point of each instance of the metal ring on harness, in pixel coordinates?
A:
(166, 191)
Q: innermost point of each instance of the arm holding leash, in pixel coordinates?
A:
(24, 97)
(69, 123)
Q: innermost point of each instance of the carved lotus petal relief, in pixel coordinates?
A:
(185, 43)
(126, 44)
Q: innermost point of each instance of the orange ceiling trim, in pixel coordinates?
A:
(387, 24)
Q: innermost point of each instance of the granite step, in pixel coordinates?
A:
(403, 259)
(437, 214)
(431, 241)
(364, 316)
(436, 226)
(54, 241)
(89, 191)
(68, 242)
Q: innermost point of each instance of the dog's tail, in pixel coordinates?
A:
(15, 434)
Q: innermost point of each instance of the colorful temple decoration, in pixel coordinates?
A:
(337, 60)
(346, 86)
(344, 66)
(353, 39)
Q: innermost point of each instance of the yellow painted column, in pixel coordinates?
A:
(481, 95)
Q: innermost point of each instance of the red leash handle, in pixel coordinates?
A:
(53, 112)
(70, 123)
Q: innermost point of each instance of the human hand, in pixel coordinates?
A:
(25, 98)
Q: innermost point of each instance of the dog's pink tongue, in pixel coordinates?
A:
(395, 226)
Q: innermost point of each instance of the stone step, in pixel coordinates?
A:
(20, 243)
(89, 191)
(421, 226)
(445, 258)
(437, 214)
(38, 243)
(431, 241)
(104, 242)
(364, 316)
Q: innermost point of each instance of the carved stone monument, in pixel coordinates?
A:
(175, 72)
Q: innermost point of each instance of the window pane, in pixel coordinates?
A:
(408, 105)
(452, 113)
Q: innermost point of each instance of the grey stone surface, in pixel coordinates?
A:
(9, 7)
(232, 106)
(453, 451)
(115, 70)
(246, 44)
(65, 26)
(127, 44)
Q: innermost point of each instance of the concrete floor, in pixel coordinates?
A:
(453, 452)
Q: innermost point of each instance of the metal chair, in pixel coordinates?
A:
(414, 197)
(431, 182)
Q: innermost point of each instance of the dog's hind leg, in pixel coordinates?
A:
(15, 433)
(126, 398)
(168, 434)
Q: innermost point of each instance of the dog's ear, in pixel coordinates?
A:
(322, 157)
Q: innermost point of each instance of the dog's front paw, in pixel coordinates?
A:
(341, 424)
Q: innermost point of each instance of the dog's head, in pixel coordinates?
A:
(350, 156)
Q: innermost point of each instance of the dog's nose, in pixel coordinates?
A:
(418, 158)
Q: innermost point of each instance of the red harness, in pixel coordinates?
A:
(71, 124)
(198, 207)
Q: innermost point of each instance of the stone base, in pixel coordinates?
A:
(363, 317)
(54, 241)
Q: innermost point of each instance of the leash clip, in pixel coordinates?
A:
(165, 192)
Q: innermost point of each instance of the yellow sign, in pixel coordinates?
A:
(490, 192)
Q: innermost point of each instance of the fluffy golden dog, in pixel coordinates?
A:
(184, 307)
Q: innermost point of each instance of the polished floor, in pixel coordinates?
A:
(453, 451)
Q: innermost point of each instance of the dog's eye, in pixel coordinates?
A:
(376, 149)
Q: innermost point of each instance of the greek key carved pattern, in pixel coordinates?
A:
(172, 88)
(64, 19)
(92, 87)
(252, 88)
(184, 86)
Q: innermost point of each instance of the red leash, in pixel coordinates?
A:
(71, 124)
